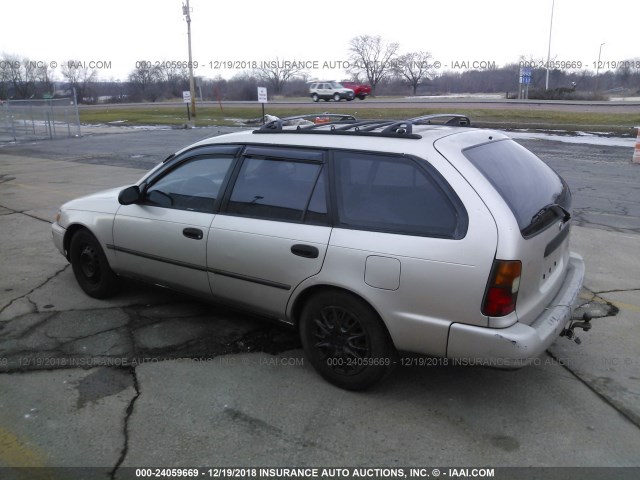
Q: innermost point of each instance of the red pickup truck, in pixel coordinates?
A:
(360, 90)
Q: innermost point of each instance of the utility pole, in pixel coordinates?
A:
(598, 67)
(546, 85)
(186, 11)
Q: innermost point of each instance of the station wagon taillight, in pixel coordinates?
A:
(502, 288)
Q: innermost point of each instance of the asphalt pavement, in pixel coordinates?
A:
(155, 378)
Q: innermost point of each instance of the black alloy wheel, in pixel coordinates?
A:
(345, 340)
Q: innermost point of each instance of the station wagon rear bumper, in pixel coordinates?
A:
(519, 344)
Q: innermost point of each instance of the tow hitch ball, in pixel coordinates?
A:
(585, 325)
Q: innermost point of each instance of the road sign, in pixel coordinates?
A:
(262, 94)
(186, 96)
(525, 75)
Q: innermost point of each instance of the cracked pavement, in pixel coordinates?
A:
(156, 378)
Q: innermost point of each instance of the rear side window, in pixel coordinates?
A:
(524, 181)
(278, 190)
(391, 193)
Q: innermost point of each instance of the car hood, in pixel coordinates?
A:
(105, 201)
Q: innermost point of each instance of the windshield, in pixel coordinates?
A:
(336, 85)
(525, 182)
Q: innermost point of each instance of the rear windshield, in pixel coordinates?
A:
(524, 181)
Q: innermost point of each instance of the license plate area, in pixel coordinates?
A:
(555, 257)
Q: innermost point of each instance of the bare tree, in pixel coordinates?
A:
(241, 87)
(372, 57)
(628, 73)
(175, 78)
(24, 78)
(81, 78)
(5, 77)
(3, 85)
(44, 78)
(144, 81)
(20, 74)
(414, 68)
(276, 73)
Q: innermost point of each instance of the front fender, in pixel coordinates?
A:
(98, 223)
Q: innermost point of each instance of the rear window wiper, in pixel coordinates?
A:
(542, 216)
(559, 210)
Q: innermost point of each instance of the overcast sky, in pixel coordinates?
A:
(117, 33)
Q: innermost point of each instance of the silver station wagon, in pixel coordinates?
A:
(370, 237)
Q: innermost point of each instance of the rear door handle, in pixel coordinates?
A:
(306, 251)
(194, 233)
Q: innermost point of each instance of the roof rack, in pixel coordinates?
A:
(349, 125)
(455, 119)
(281, 122)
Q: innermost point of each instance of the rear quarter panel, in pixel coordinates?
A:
(441, 281)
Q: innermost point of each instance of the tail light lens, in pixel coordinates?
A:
(502, 288)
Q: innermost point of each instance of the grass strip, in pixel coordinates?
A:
(211, 115)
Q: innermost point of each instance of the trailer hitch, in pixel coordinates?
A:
(585, 325)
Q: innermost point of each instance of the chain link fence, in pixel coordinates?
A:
(22, 120)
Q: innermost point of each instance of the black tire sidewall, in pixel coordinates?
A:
(108, 282)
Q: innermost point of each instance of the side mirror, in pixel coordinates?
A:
(129, 195)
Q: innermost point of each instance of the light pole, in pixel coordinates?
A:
(546, 85)
(186, 11)
(598, 66)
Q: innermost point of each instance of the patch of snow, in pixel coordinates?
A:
(581, 138)
(487, 96)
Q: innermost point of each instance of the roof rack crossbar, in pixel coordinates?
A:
(307, 131)
(454, 119)
(340, 116)
(378, 124)
(279, 123)
(338, 125)
(364, 125)
(343, 126)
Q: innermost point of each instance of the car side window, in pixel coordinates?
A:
(275, 189)
(193, 185)
(317, 209)
(391, 193)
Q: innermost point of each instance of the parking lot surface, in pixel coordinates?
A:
(155, 378)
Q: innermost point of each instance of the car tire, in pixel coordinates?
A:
(345, 340)
(315, 97)
(362, 97)
(90, 266)
(336, 97)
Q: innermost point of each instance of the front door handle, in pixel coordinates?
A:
(194, 233)
(306, 251)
